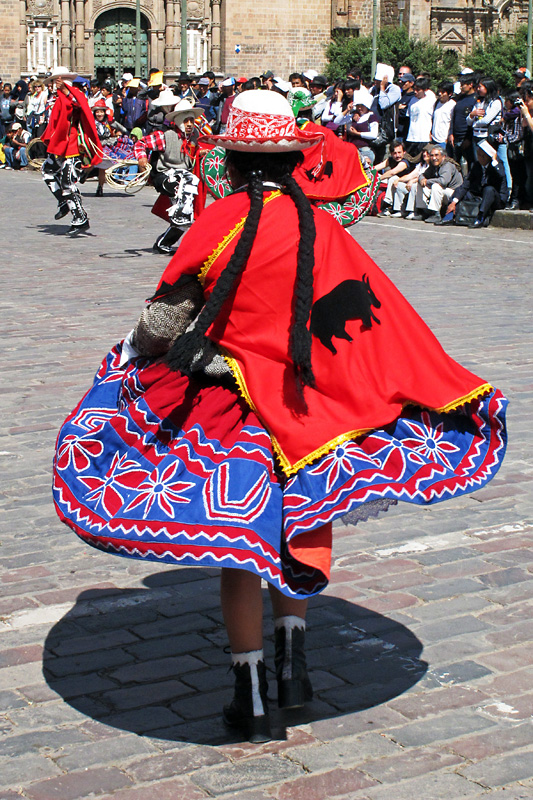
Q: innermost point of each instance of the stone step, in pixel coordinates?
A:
(523, 220)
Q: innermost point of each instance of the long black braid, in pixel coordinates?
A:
(256, 167)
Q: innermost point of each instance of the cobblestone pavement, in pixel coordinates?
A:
(112, 672)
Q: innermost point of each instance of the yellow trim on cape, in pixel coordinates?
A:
(290, 469)
(219, 249)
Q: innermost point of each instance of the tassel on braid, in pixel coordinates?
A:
(300, 337)
(187, 347)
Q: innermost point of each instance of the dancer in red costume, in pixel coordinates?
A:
(276, 381)
(70, 116)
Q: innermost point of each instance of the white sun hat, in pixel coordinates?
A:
(60, 72)
(263, 121)
(180, 113)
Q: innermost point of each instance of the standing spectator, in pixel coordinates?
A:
(204, 101)
(442, 114)
(135, 109)
(521, 76)
(436, 185)
(526, 110)
(420, 117)
(460, 138)
(36, 110)
(513, 132)
(485, 182)
(228, 98)
(296, 80)
(6, 116)
(486, 119)
(407, 83)
(386, 98)
(362, 126)
(318, 87)
(334, 108)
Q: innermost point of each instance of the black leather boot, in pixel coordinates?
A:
(164, 243)
(248, 710)
(294, 686)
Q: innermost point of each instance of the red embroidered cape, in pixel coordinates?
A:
(70, 112)
(369, 380)
(340, 173)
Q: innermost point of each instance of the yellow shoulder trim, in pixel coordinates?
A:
(219, 249)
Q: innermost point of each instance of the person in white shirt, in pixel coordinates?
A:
(442, 114)
(420, 115)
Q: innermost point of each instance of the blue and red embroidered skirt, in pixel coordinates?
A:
(157, 466)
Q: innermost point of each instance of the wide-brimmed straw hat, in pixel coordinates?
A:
(60, 72)
(262, 121)
(166, 98)
(180, 113)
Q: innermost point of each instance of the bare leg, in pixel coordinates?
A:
(242, 609)
(284, 606)
(101, 177)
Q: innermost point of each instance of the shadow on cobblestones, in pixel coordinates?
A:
(152, 660)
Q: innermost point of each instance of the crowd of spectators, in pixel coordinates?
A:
(435, 146)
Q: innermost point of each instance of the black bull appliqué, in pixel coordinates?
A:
(348, 300)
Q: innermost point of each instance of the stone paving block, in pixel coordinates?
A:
(114, 751)
(20, 655)
(246, 774)
(500, 771)
(182, 761)
(45, 715)
(437, 786)
(148, 671)
(87, 644)
(446, 607)
(451, 627)
(509, 792)
(176, 789)
(410, 764)
(439, 729)
(87, 662)
(445, 556)
(78, 784)
(295, 738)
(343, 752)
(508, 660)
(417, 705)
(505, 577)
(201, 704)
(459, 672)
(146, 695)
(46, 742)
(18, 772)
(512, 682)
(323, 785)
(450, 588)
(371, 719)
(10, 700)
(143, 720)
(169, 646)
(189, 623)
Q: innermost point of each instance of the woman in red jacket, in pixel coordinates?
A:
(277, 381)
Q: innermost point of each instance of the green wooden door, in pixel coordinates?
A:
(114, 42)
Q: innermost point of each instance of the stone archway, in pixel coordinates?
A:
(114, 43)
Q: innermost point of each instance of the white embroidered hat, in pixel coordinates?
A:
(263, 121)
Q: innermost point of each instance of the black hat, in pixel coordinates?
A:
(184, 78)
(319, 80)
(268, 74)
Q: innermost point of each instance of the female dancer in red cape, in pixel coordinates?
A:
(276, 381)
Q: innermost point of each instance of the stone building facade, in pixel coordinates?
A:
(97, 37)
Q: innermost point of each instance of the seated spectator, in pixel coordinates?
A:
(485, 182)
(442, 114)
(334, 107)
(407, 185)
(396, 165)
(437, 185)
(15, 147)
(420, 114)
(317, 87)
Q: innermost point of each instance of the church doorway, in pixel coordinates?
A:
(114, 43)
